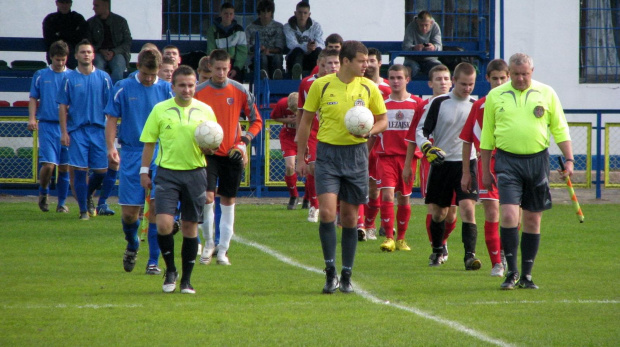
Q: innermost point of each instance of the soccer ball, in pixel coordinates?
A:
(359, 120)
(209, 135)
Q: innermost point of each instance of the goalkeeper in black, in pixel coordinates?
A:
(443, 122)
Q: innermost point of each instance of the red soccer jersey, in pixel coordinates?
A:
(228, 102)
(473, 126)
(399, 115)
(281, 111)
(304, 87)
(384, 88)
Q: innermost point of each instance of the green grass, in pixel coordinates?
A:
(63, 284)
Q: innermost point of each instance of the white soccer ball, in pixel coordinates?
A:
(209, 135)
(359, 120)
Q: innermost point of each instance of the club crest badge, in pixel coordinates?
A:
(230, 101)
(359, 102)
(539, 111)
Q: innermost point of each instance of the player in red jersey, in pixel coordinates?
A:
(391, 150)
(328, 63)
(440, 82)
(368, 213)
(497, 74)
(285, 112)
(228, 99)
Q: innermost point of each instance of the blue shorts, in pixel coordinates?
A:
(87, 148)
(130, 192)
(50, 149)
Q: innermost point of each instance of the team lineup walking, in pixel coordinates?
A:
(462, 149)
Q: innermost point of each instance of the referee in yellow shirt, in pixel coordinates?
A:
(341, 167)
(519, 118)
(181, 174)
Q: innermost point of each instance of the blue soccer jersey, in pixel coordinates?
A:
(131, 101)
(87, 96)
(44, 87)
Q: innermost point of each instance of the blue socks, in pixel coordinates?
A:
(108, 184)
(131, 235)
(153, 245)
(62, 187)
(44, 191)
(81, 193)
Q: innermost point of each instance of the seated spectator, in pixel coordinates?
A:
(226, 34)
(271, 37)
(66, 25)
(111, 38)
(166, 69)
(422, 34)
(304, 39)
(204, 73)
(173, 53)
(333, 41)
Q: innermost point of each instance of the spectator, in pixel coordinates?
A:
(66, 25)
(304, 39)
(226, 34)
(271, 35)
(173, 53)
(110, 35)
(423, 34)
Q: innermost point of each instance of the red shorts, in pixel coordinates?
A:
(483, 193)
(390, 173)
(287, 143)
(311, 155)
(372, 165)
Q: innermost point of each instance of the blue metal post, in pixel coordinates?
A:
(599, 161)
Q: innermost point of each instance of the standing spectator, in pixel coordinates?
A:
(443, 122)
(181, 175)
(226, 34)
(229, 99)
(304, 39)
(497, 74)
(172, 52)
(284, 112)
(131, 100)
(110, 35)
(342, 159)
(518, 118)
(271, 36)
(422, 34)
(66, 25)
(81, 100)
(45, 86)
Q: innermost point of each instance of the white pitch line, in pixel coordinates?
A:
(374, 299)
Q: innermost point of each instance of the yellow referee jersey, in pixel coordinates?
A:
(333, 98)
(174, 127)
(520, 122)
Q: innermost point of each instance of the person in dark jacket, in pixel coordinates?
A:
(66, 25)
(110, 35)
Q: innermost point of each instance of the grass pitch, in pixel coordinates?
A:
(63, 284)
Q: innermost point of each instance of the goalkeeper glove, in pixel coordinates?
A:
(434, 155)
(238, 151)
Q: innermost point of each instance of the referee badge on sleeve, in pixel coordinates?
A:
(539, 111)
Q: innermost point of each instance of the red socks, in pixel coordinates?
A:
(291, 184)
(402, 218)
(387, 218)
(491, 237)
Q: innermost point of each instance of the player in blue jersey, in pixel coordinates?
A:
(132, 100)
(44, 88)
(81, 100)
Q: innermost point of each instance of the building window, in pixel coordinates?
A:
(599, 41)
(189, 19)
(459, 20)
